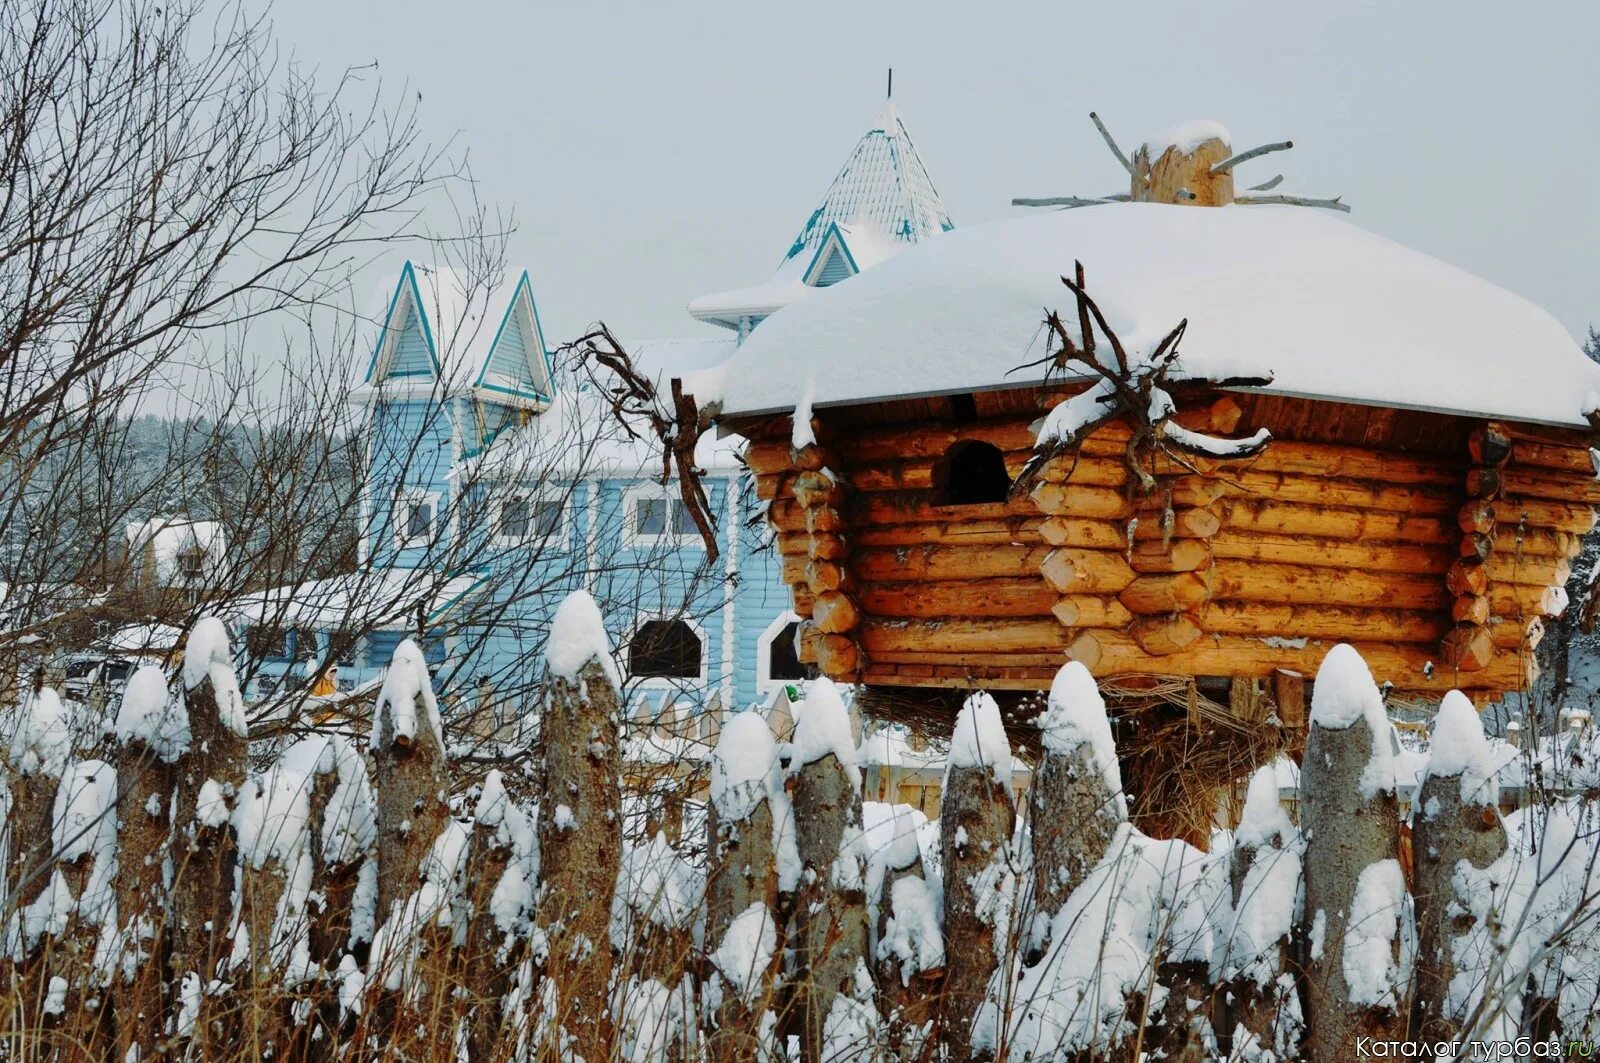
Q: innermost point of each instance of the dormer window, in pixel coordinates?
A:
(192, 564)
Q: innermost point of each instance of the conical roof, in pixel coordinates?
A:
(881, 202)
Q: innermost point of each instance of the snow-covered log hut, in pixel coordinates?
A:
(1354, 443)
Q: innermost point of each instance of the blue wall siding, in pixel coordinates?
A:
(412, 448)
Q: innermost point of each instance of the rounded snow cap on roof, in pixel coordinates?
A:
(1325, 308)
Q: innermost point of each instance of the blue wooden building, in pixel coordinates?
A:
(497, 481)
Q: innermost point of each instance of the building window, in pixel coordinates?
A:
(415, 513)
(665, 649)
(653, 517)
(529, 518)
(345, 647)
(268, 643)
(971, 473)
(192, 564)
(778, 654)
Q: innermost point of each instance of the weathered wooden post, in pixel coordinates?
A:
(752, 856)
(1355, 897)
(409, 779)
(1264, 880)
(210, 774)
(84, 840)
(153, 730)
(911, 958)
(1075, 804)
(1456, 818)
(38, 755)
(834, 991)
(580, 824)
(975, 839)
(498, 879)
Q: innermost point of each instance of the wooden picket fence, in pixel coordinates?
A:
(172, 903)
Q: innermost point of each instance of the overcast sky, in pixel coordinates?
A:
(654, 152)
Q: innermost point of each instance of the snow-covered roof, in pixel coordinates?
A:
(464, 322)
(380, 599)
(1330, 310)
(170, 537)
(881, 202)
(144, 638)
(578, 433)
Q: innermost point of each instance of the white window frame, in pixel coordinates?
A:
(562, 534)
(400, 517)
(665, 682)
(633, 538)
(765, 684)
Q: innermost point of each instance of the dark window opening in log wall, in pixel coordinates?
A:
(971, 473)
(667, 649)
(783, 656)
(964, 407)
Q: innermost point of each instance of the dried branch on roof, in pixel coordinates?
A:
(635, 401)
(1135, 390)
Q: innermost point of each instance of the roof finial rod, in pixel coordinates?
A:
(891, 83)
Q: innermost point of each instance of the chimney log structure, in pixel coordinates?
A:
(1423, 495)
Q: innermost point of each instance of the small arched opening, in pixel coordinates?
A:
(665, 649)
(971, 473)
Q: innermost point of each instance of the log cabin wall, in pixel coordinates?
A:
(1436, 544)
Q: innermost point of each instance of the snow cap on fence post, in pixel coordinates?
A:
(150, 715)
(578, 636)
(980, 739)
(1459, 748)
(407, 688)
(1344, 693)
(206, 656)
(43, 738)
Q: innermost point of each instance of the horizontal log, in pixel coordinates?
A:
(1266, 620)
(1333, 553)
(1467, 577)
(813, 489)
(961, 635)
(1081, 532)
(811, 640)
(1312, 460)
(973, 678)
(1012, 531)
(1470, 609)
(890, 565)
(1510, 601)
(1485, 483)
(1469, 648)
(1161, 636)
(1508, 538)
(1490, 444)
(1408, 667)
(1166, 593)
(1521, 635)
(1547, 483)
(1089, 610)
(802, 598)
(1179, 555)
(1336, 522)
(1545, 513)
(1029, 596)
(827, 576)
(1073, 571)
(1070, 500)
(825, 546)
(835, 613)
(1354, 494)
(970, 660)
(1256, 581)
(1528, 453)
(1540, 571)
(823, 519)
(838, 656)
(1186, 522)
